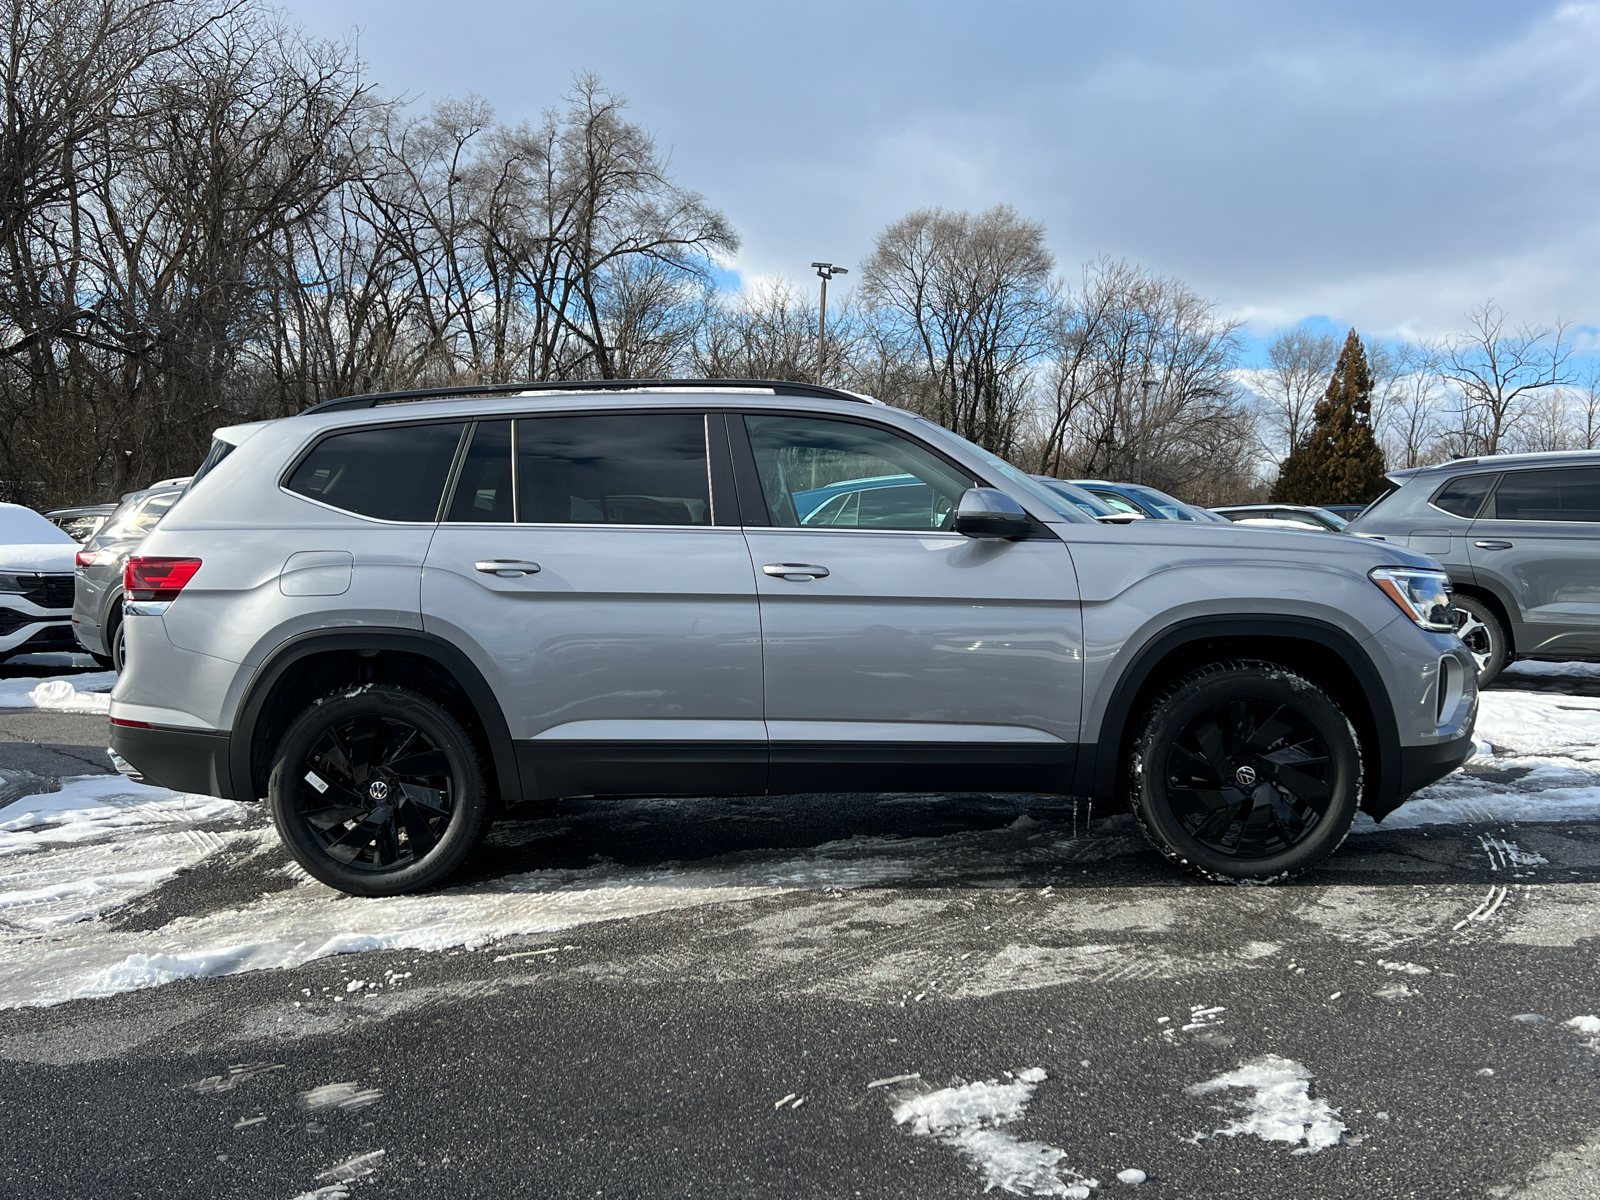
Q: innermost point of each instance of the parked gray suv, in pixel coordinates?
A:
(97, 582)
(395, 616)
(1519, 535)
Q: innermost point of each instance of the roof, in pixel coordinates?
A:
(1494, 462)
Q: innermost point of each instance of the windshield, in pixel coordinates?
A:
(134, 518)
(1090, 504)
(1332, 518)
(1051, 499)
(1169, 507)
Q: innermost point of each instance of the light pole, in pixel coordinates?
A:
(1145, 385)
(825, 272)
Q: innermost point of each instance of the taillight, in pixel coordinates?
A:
(157, 578)
(86, 558)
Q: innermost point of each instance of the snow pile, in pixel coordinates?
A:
(68, 856)
(89, 693)
(1541, 723)
(1529, 667)
(1279, 1107)
(968, 1119)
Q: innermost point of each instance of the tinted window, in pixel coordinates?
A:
(1460, 496)
(154, 509)
(817, 472)
(1118, 504)
(1571, 494)
(641, 469)
(395, 473)
(483, 490)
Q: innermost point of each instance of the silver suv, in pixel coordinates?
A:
(1519, 535)
(396, 616)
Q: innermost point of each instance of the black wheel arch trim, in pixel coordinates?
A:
(1100, 761)
(409, 641)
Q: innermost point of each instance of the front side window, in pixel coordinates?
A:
(613, 469)
(1560, 494)
(821, 473)
(1460, 497)
(392, 472)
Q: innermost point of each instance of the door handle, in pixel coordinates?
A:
(506, 568)
(1492, 545)
(794, 572)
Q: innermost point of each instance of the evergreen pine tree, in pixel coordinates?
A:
(1339, 460)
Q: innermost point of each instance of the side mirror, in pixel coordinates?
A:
(987, 513)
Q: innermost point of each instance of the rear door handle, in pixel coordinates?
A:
(506, 568)
(1492, 545)
(794, 572)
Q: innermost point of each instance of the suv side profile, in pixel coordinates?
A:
(395, 617)
(1519, 535)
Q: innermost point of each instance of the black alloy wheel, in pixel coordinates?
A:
(1246, 771)
(1480, 630)
(378, 790)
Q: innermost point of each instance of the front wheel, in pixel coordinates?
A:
(1485, 638)
(1246, 771)
(377, 790)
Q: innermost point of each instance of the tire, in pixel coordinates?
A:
(118, 642)
(338, 772)
(1282, 760)
(101, 661)
(1480, 628)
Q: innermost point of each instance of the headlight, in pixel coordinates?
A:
(1424, 596)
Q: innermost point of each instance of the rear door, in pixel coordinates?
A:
(898, 653)
(596, 572)
(1538, 539)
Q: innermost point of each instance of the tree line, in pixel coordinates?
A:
(207, 217)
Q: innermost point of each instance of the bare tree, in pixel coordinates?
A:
(1299, 363)
(1406, 399)
(1495, 369)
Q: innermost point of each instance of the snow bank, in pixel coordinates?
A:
(88, 693)
(1528, 667)
(968, 1117)
(1279, 1107)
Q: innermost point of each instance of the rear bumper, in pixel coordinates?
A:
(185, 760)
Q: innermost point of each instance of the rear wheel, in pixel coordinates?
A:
(1246, 770)
(378, 790)
(1478, 626)
(118, 641)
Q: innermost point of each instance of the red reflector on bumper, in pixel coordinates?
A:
(131, 724)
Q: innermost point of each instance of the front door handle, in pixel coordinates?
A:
(1492, 545)
(794, 572)
(506, 568)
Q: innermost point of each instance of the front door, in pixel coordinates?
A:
(604, 589)
(900, 654)
(1539, 540)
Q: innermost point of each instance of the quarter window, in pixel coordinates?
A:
(621, 469)
(392, 472)
(1566, 494)
(1464, 496)
(818, 473)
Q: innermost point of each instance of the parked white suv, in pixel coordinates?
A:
(393, 616)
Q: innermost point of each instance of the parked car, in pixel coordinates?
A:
(1088, 502)
(395, 616)
(1146, 501)
(82, 522)
(1519, 535)
(97, 588)
(35, 583)
(1303, 515)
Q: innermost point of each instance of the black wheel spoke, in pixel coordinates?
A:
(418, 833)
(334, 815)
(363, 739)
(429, 799)
(1268, 732)
(427, 764)
(358, 839)
(1208, 733)
(1301, 785)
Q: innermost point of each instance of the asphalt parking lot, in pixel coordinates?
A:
(812, 996)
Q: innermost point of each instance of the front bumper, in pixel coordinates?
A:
(1420, 766)
(185, 760)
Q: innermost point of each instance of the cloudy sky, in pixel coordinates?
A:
(1372, 163)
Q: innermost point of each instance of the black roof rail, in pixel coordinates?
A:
(776, 387)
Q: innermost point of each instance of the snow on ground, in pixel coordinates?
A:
(1577, 669)
(969, 1118)
(1279, 1107)
(87, 693)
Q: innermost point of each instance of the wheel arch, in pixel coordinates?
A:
(313, 663)
(1328, 655)
(1504, 609)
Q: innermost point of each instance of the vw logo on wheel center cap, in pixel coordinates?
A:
(1246, 776)
(378, 789)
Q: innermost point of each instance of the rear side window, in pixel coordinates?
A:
(614, 469)
(1566, 494)
(483, 490)
(1461, 497)
(391, 472)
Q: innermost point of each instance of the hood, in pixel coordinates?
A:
(1356, 552)
(56, 557)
